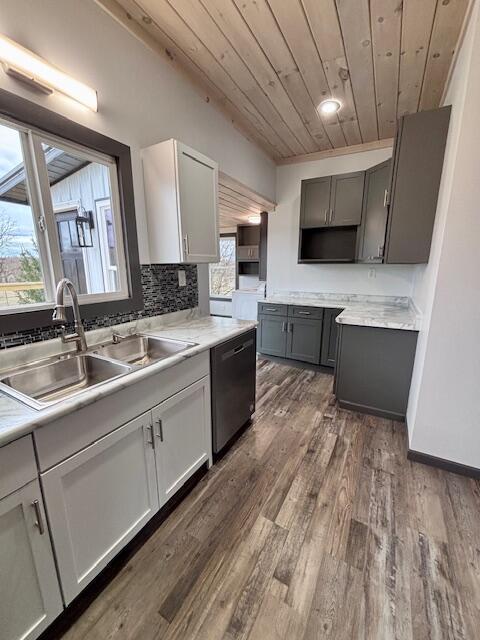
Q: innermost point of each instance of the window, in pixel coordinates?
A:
(59, 217)
(222, 273)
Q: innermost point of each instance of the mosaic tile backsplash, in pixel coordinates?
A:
(161, 294)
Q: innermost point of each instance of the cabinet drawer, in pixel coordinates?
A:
(17, 465)
(271, 309)
(305, 312)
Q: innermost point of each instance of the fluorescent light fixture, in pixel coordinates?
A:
(329, 106)
(27, 66)
(254, 219)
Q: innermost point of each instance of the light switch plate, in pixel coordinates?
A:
(182, 278)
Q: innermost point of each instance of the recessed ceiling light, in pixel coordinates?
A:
(254, 219)
(329, 106)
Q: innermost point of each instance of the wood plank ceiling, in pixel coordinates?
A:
(236, 202)
(269, 63)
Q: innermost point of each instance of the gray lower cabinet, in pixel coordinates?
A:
(272, 335)
(329, 337)
(374, 370)
(304, 339)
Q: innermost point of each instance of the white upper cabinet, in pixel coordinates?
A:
(181, 197)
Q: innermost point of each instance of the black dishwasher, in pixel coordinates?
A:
(233, 375)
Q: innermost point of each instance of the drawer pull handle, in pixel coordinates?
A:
(239, 349)
(151, 442)
(270, 309)
(160, 430)
(284, 326)
(38, 517)
(304, 313)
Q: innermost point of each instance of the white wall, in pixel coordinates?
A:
(283, 271)
(142, 99)
(444, 413)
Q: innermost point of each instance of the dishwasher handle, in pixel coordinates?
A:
(236, 350)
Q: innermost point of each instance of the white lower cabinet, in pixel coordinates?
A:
(98, 499)
(182, 428)
(29, 592)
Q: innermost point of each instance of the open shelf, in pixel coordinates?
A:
(328, 244)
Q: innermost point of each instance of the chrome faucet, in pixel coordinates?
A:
(59, 315)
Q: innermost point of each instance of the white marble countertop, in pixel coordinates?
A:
(17, 419)
(386, 312)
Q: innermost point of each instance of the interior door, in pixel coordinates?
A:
(198, 204)
(29, 592)
(183, 437)
(346, 199)
(98, 499)
(304, 340)
(315, 202)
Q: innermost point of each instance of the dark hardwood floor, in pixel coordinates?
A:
(313, 526)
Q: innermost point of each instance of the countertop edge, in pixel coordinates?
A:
(46, 416)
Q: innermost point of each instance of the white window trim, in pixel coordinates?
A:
(43, 215)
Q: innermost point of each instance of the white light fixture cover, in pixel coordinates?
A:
(24, 64)
(329, 106)
(254, 219)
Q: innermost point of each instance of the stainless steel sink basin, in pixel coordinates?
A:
(142, 350)
(45, 382)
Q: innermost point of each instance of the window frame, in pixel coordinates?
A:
(48, 126)
(230, 234)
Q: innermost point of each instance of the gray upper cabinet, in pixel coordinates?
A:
(371, 244)
(415, 181)
(315, 202)
(332, 201)
(346, 194)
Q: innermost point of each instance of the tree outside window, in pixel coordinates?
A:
(222, 273)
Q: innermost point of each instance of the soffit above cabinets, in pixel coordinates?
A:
(236, 202)
(269, 63)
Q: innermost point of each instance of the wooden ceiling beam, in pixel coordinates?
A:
(332, 153)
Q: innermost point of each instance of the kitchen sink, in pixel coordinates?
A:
(142, 350)
(47, 381)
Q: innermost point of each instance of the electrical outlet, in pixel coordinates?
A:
(182, 278)
(372, 273)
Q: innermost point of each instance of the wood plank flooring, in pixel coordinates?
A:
(314, 525)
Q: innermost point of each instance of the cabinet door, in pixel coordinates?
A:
(375, 211)
(417, 170)
(272, 336)
(304, 340)
(183, 435)
(198, 204)
(329, 337)
(315, 202)
(29, 592)
(346, 199)
(98, 499)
